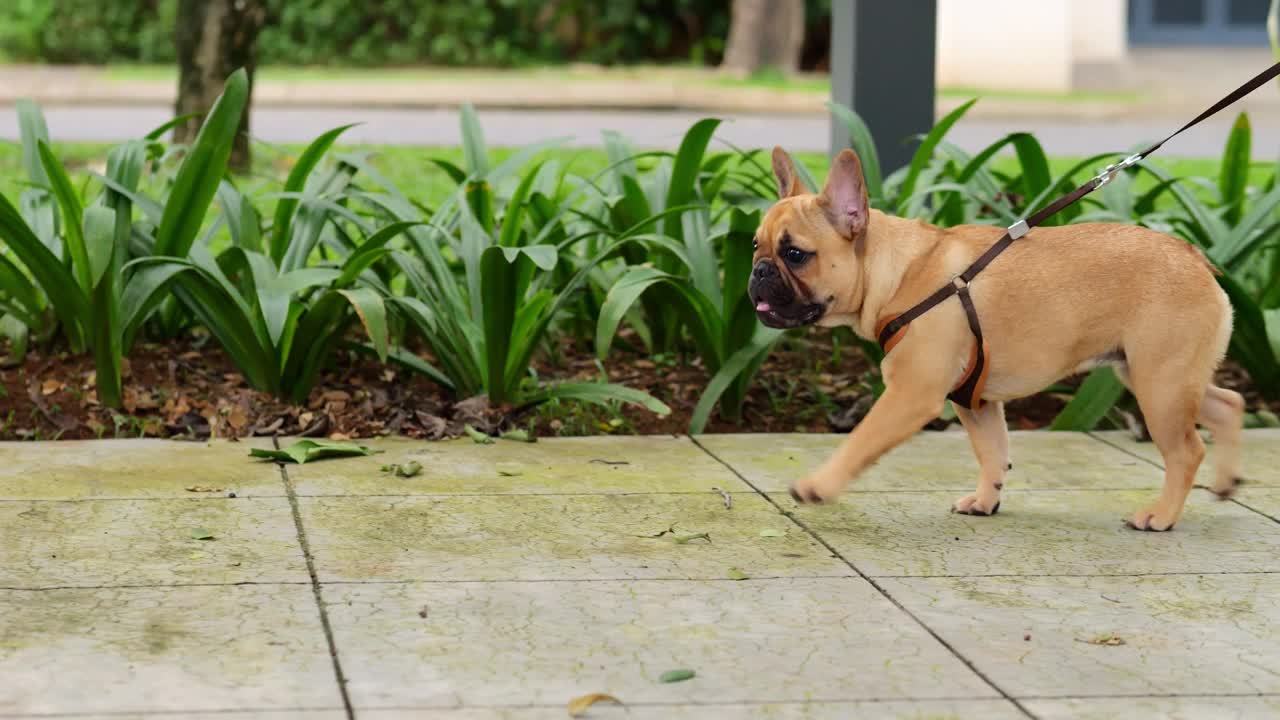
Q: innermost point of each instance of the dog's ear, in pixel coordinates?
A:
(845, 196)
(788, 182)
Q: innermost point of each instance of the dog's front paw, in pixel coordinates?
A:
(978, 503)
(1153, 519)
(817, 488)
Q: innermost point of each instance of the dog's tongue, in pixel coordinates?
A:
(762, 307)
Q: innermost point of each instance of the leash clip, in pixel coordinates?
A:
(1109, 173)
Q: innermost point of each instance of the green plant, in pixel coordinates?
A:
(74, 255)
(688, 270)
(277, 311)
(483, 283)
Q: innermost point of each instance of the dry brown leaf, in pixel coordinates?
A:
(50, 386)
(237, 418)
(580, 705)
(1108, 639)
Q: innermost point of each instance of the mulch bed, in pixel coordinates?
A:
(190, 389)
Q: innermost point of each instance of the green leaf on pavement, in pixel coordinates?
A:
(307, 450)
(674, 676)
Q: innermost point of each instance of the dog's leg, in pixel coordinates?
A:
(917, 378)
(1170, 403)
(1222, 411)
(989, 436)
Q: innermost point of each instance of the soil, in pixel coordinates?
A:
(190, 389)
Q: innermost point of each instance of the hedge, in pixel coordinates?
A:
(390, 32)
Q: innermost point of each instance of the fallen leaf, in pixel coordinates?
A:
(683, 539)
(728, 499)
(1106, 639)
(508, 473)
(479, 437)
(237, 418)
(579, 705)
(736, 574)
(50, 386)
(203, 489)
(518, 435)
(307, 450)
(423, 612)
(771, 532)
(674, 676)
(201, 534)
(407, 470)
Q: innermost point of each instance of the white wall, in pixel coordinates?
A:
(1099, 30)
(1025, 44)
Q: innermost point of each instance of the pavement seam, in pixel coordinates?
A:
(317, 591)
(1197, 486)
(154, 586)
(880, 589)
(229, 712)
(757, 578)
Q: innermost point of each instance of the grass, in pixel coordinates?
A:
(680, 75)
(410, 167)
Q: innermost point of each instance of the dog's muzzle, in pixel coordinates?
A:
(777, 303)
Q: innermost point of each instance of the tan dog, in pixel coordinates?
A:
(1058, 301)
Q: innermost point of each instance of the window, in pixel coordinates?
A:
(1178, 12)
(1248, 12)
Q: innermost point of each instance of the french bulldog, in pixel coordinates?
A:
(1059, 301)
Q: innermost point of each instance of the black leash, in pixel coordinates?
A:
(965, 394)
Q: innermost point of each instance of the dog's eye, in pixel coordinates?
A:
(755, 244)
(795, 256)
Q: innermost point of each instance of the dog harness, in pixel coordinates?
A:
(968, 393)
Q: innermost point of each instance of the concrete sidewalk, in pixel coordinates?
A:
(153, 579)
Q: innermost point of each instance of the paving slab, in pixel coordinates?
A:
(634, 464)
(1187, 634)
(937, 461)
(67, 470)
(1173, 708)
(543, 643)
(574, 537)
(1264, 500)
(1036, 533)
(889, 710)
(91, 543)
(1260, 449)
(260, 714)
(178, 650)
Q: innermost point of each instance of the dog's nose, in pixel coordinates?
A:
(765, 269)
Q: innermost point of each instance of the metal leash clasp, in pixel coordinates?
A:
(1109, 173)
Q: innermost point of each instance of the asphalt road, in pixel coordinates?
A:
(645, 129)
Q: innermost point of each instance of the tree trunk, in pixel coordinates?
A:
(765, 34)
(214, 39)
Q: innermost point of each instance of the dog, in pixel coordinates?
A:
(1059, 301)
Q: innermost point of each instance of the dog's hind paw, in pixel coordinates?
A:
(1224, 490)
(977, 504)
